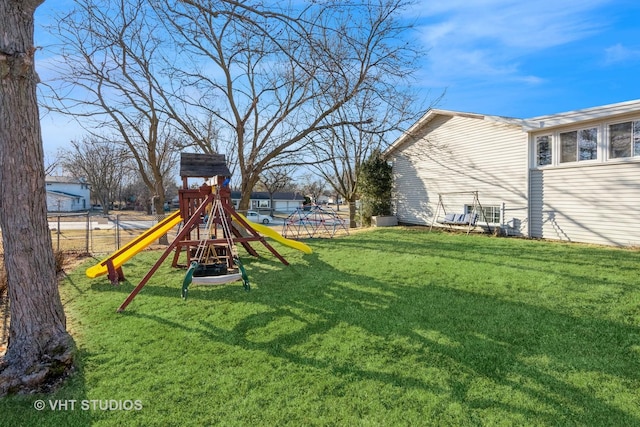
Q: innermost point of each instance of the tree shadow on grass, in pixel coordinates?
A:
(521, 359)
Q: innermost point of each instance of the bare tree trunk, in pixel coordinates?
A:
(158, 205)
(40, 349)
(352, 212)
(249, 181)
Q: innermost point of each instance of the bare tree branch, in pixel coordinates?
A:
(101, 162)
(277, 77)
(256, 82)
(113, 62)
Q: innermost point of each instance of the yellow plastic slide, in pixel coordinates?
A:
(132, 248)
(269, 232)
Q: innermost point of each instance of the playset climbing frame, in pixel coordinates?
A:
(183, 242)
(215, 264)
(314, 221)
(216, 219)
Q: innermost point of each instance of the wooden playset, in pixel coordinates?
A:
(209, 229)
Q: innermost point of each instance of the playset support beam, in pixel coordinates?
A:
(192, 223)
(194, 204)
(195, 218)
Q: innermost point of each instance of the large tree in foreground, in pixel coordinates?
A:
(39, 345)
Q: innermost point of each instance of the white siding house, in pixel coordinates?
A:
(571, 176)
(585, 175)
(66, 194)
(452, 154)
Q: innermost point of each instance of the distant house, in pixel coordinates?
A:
(66, 194)
(571, 176)
(261, 201)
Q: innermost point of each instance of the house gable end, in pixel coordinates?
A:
(417, 130)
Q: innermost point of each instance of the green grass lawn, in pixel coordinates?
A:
(387, 327)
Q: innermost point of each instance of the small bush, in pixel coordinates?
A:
(376, 185)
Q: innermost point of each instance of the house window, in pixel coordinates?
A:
(624, 140)
(258, 204)
(579, 145)
(543, 150)
(491, 213)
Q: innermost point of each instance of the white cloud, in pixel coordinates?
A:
(531, 80)
(618, 54)
(489, 38)
(536, 24)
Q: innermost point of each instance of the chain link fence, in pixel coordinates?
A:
(93, 233)
(342, 211)
(98, 234)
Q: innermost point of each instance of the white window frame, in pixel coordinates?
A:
(536, 152)
(635, 130)
(577, 143)
(603, 145)
(261, 204)
(496, 209)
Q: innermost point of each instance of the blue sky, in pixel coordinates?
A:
(502, 57)
(529, 58)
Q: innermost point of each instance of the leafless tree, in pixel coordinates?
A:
(39, 349)
(340, 152)
(101, 162)
(275, 77)
(113, 79)
(51, 164)
(276, 179)
(313, 187)
(137, 194)
(254, 81)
